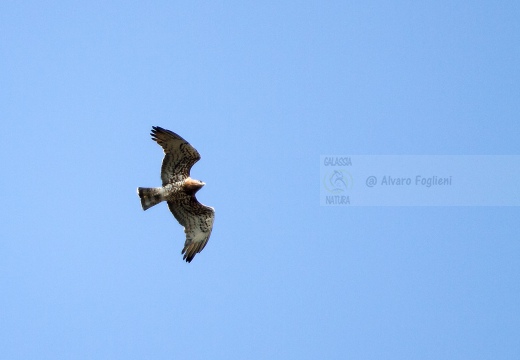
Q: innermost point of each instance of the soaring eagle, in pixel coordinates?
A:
(178, 190)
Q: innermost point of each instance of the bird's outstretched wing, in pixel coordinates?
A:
(179, 155)
(197, 220)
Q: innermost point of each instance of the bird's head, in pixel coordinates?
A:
(191, 186)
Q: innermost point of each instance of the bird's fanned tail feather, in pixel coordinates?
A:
(150, 196)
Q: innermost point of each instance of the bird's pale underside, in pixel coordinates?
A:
(179, 190)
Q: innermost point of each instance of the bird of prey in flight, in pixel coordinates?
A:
(178, 190)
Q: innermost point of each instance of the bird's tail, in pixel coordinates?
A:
(150, 196)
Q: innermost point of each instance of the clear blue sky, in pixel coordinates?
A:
(261, 89)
